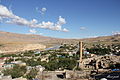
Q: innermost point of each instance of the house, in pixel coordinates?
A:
(1, 65)
(45, 59)
(1, 62)
(93, 55)
(40, 68)
(70, 54)
(29, 68)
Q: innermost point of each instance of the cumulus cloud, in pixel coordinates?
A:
(61, 21)
(58, 25)
(82, 28)
(13, 19)
(65, 30)
(33, 31)
(5, 13)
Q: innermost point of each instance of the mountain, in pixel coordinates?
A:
(16, 42)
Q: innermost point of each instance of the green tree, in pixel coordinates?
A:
(67, 63)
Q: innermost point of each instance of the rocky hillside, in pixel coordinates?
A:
(15, 42)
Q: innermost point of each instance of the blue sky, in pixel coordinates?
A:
(83, 18)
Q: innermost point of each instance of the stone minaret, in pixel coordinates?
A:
(81, 50)
(81, 53)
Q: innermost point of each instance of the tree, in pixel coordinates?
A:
(67, 63)
(32, 62)
(16, 72)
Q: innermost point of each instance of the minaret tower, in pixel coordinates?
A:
(81, 50)
(81, 54)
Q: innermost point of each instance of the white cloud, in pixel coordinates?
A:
(5, 13)
(65, 30)
(82, 28)
(34, 21)
(33, 31)
(43, 9)
(13, 19)
(58, 25)
(19, 21)
(61, 21)
(47, 25)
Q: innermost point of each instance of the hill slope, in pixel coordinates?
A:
(17, 42)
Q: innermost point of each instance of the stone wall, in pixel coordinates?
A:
(63, 75)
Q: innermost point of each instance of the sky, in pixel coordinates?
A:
(61, 18)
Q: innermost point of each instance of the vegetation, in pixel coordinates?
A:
(32, 74)
(9, 61)
(56, 59)
(104, 49)
(115, 66)
(32, 62)
(9, 55)
(16, 72)
(29, 53)
(67, 63)
(60, 63)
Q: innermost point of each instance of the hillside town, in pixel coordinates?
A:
(62, 62)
